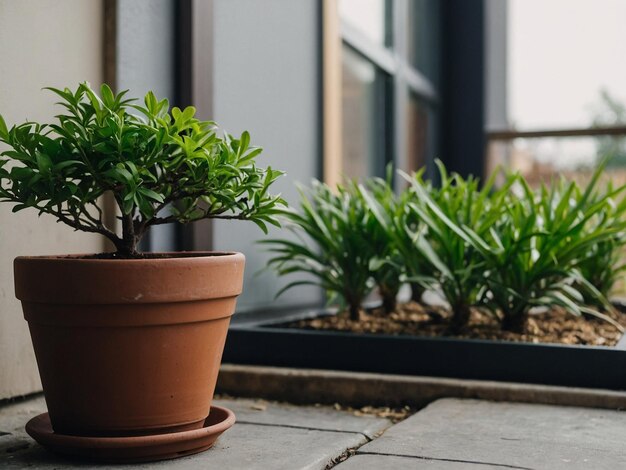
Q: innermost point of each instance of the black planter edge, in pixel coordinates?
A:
(264, 342)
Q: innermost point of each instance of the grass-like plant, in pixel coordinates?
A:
(404, 231)
(331, 246)
(533, 253)
(386, 265)
(603, 267)
(161, 166)
(503, 249)
(457, 266)
(604, 263)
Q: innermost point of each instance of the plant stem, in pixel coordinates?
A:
(460, 316)
(389, 298)
(416, 292)
(354, 301)
(128, 246)
(355, 311)
(515, 323)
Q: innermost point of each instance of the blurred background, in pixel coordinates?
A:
(329, 88)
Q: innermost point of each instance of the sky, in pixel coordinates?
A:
(561, 52)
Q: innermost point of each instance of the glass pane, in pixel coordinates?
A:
(419, 134)
(565, 76)
(364, 118)
(423, 47)
(370, 17)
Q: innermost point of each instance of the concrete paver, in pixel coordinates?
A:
(449, 434)
(267, 435)
(245, 446)
(392, 462)
(513, 435)
(324, 418)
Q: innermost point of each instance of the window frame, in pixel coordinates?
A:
(393, 60)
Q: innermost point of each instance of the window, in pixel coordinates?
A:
(566, 93)
(420, 124)
(365, 91)
(389, 57)
(423, 37)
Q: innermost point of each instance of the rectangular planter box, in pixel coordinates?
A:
(265, 341)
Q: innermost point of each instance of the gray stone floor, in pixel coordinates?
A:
(456, 434)
(449, 434)
(266, 436)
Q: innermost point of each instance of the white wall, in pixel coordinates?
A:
(42, 43)
(266, 80)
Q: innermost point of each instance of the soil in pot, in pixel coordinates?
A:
(551, 326)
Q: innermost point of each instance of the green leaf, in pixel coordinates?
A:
(4, 132)
(149, 193)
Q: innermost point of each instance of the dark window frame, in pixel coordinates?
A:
(392, 58)
(194, 85)
(458, 99)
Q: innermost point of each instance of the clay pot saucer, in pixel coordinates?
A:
(135, 448)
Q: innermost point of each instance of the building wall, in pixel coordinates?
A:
(266, 80)
(43, 43)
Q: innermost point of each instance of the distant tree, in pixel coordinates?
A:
(610, 112)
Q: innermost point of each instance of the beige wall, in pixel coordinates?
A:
(42, 43)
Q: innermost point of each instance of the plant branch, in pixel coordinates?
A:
(172, 218)
(77, 225)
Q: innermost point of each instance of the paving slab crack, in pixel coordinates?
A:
(351, 451)
(306, 428)
(423, 457)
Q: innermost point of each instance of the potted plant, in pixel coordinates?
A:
(130, 343)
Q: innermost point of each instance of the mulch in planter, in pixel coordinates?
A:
(551, 326)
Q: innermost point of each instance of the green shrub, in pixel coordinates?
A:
(604, 264)
(457, 267)
(150, 158)
(504, 250)
(335, 253)
(386, 264)
(533, 253)
(342, 245)
(404, 232)
(603, 267)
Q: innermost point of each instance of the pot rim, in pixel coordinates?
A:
(74, 280)
(175, 255)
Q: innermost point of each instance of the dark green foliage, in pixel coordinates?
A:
(337, 255)
(405, 232)
(348, 251)
(386, 264)
(604, 264)
(150, 158)
(505, 250)
(533, 254)
(457, 267)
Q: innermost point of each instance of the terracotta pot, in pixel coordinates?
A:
(129, 347)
